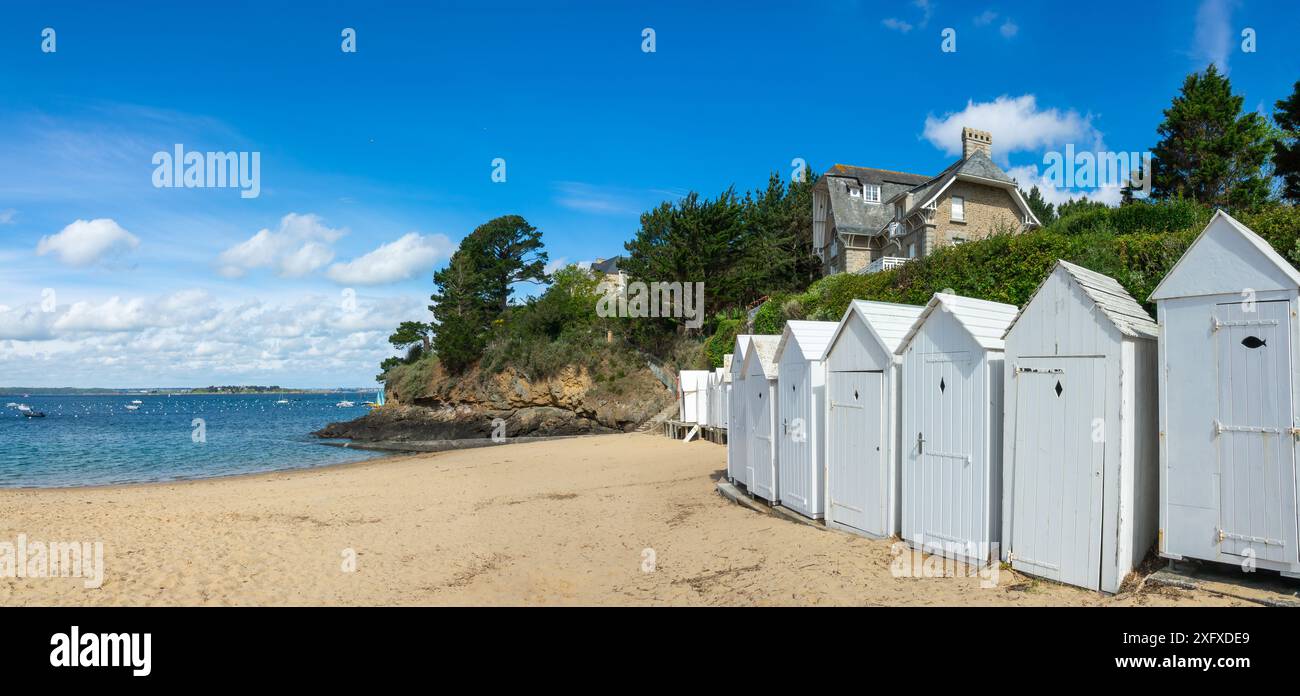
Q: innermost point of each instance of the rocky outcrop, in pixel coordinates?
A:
(473, 405)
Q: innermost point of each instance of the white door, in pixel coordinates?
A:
(737, 434)
(943, 484)
(795, 459)
(857, 476)
(762, 481)
(1059, 469)
(1257, 494)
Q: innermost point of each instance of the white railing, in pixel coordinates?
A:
(884, 263)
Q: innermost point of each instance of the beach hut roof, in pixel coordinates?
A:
(811, 338)
(1225, 259)
(738, 359)
(887, 321)
(726, 367)
(763, 349)
(985, 321)
(1109, 297)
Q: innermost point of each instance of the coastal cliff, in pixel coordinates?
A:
(433, 405)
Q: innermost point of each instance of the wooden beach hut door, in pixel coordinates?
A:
(761, 481)
(855, 457)
(1256, 444)
(796, 423)
(1060, 451)
(948, 479)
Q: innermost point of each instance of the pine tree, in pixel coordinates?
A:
(1209, 151)
(1044, 211)
(1286, 149)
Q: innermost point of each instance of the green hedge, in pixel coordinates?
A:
(1136, 244)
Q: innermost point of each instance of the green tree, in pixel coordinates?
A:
(1044, 211)
(461, 309)
(412, 333)
(507, 250)
(1286, 149)
(1209, 151)
(1074, 206)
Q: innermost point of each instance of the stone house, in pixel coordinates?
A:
(613, 281)
(867, 220)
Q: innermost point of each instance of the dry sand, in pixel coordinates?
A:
(548, 523)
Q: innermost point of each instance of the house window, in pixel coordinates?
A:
(959, 209)
(854, 191)
(872, 193)
(911, 250)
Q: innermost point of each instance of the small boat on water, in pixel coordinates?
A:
(132, 407)
(137, 401)
(282, 401)
(29, 412)
(345, 404)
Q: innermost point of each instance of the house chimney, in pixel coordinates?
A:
(976, 140)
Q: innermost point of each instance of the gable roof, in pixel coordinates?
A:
(1108, 296)
(986, 322)
(978, 167)
(811, 338)
(726, 367)
(1225, 258)
(738, 359)
(887, 321)
(763, 350)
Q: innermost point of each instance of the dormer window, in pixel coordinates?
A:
(872, 193)
(854, 191)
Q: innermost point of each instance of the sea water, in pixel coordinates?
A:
(97, 440)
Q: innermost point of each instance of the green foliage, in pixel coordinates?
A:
(473, 291)
(555, 329)
(722, 341)
(740, 248)
(1209, 150)
(1136, 244)
(412, 333)
(1044, 211)
(1286, 149)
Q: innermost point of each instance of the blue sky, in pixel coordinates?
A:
(375, 163)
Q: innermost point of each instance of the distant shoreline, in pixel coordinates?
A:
(169, 391)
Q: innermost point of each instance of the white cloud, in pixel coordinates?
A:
(1008, 29)
(985, 18)
(87, 241)
(1213, 37)
(299, 246)
(897, 24)
(903, 26)
(192, 337)
(7, 216)
(1017, 125)
(602, 200)
(394, 261)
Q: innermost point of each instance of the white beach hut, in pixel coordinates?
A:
(761, 413)
(1228, 354)
(801, 401)
(952, 427)
(862, 384)
(693, 396)
(738, 420)
(1079, 478)
(719, 396)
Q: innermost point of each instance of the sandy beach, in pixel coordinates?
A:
(600, 520)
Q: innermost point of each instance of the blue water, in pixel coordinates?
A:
(96, 440)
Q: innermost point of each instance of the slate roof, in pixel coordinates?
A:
(854, 215)
(977, 165)
(607, 266)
